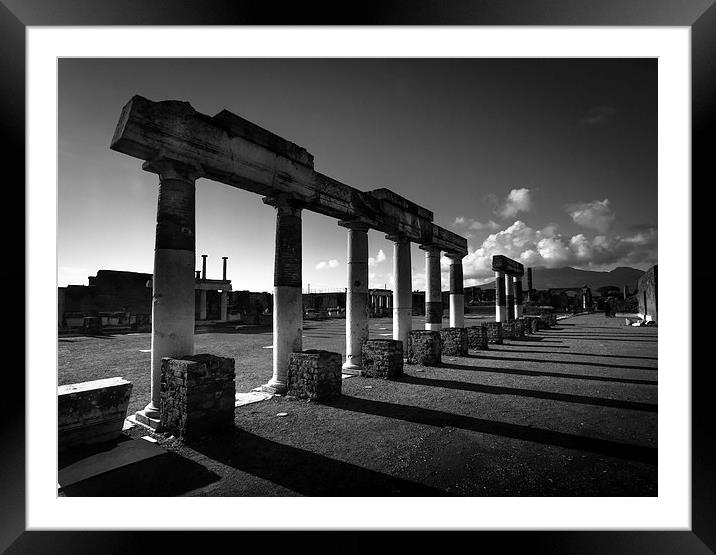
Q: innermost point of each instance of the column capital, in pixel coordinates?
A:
(430, 248)
(455, 257)
(397, 238)
(355, 224)
(170, 168)
(285, 203)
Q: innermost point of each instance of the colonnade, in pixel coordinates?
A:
(509, 302)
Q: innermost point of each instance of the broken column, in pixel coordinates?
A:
(510, 297)
(433, 293)
(203, 266)
(500, 300)
(518, 297)
(173, 276)
(202, 304)
(529, 286)
(224, 315)
(457, 292)
(402, 296)
(224, 259)
(287, 297)
(356, 295)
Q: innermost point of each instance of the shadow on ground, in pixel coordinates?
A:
(302, 471)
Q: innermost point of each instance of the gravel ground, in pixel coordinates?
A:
(569, 412)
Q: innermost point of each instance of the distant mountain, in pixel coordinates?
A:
(548, 278)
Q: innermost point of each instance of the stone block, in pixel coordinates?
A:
(454, 341)
(477, 337)
(494, 332)
(508, 330)
(314, 374)
(424, 348)
(91, 412)
(197, 395)
(518, 328)
(382, 358)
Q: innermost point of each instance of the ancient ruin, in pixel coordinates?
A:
(182, 145)
(508, 287)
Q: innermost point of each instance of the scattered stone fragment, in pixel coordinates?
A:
(150, 439)
(282, 414)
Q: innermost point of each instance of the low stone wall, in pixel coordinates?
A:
(477, 338)
(453, 341)
(314, 374)
(197, 395)
(494, 332)
(508, 330)
(518, 328)
(91, 412)
(424, 348)
(382, 358)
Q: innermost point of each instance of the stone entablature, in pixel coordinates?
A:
(91, 412)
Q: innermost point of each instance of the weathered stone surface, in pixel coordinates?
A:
(314, 374)
(494, 332)
(508, 330)
(197, 395)
(234, 151)
(424, 348)
(454, 341)
(534, 325)
(477, 337)
(518, 327)
(91, 412)
(382, 358)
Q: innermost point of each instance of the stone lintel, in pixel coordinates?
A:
(501, 263)
(231, 150)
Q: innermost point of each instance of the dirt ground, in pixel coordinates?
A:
(571, 411)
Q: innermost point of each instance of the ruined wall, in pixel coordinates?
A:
(647, 293)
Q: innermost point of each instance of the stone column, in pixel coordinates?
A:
(173, 276)
(457, 292)
(510, 297)
(433, 293)
(500, 301)
(356, 295)
(202, 304)
(287, 296)
(224, 258)
(403, 294)
(519, 309)
(529, 285)
(224, 316)
(203, 266)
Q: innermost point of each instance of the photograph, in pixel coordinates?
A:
(357, 277)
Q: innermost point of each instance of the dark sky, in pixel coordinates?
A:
(551, 161)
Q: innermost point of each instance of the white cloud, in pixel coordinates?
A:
(548, 248)
(518, 200)
(331, 264)
(380, 257)
(470, 223)
(595, 215)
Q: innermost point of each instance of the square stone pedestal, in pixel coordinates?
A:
(494, 332)
(424, 348)
(454, 341)
(382, 358)
(314, 374)
(197, 395)
(477, 338)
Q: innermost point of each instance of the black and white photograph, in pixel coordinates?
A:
(357, 277)
(400, 271)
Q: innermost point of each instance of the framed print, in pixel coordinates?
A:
(492, 142)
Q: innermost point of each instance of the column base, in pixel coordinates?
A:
(143, 419)
(273, 388)
(433, 326)
(352, 369)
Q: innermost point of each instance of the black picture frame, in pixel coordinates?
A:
(698, 15)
